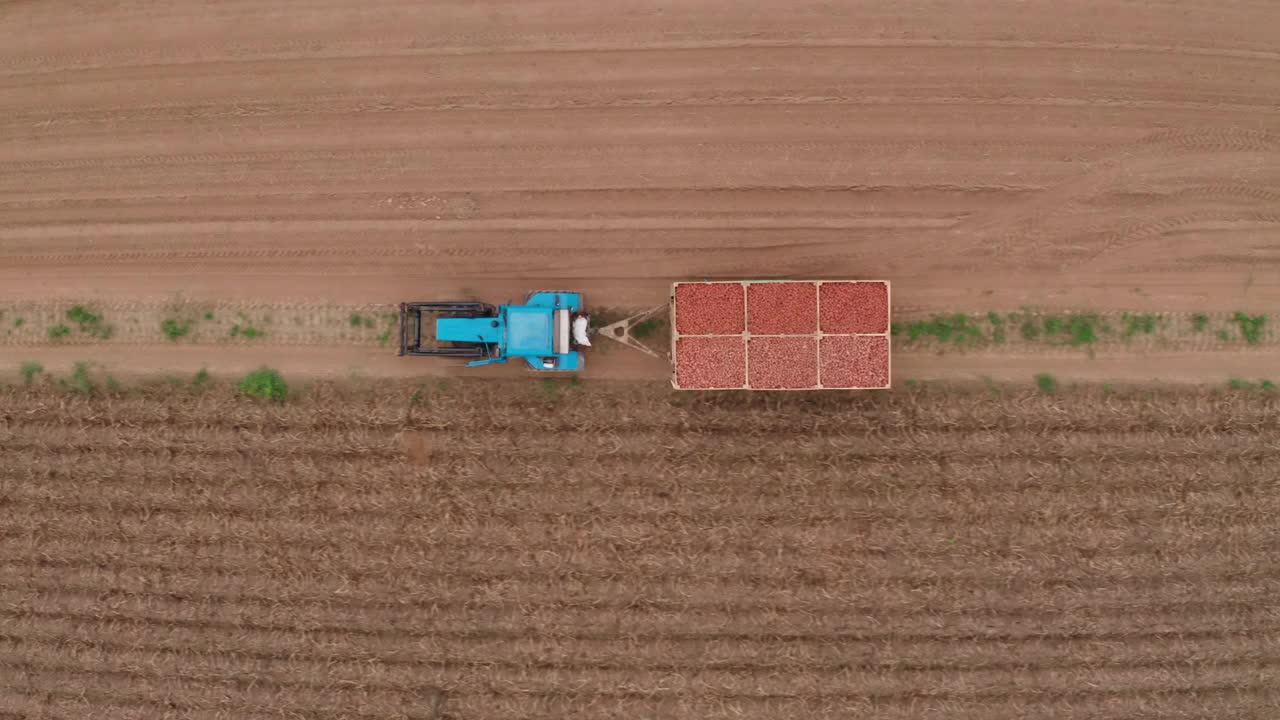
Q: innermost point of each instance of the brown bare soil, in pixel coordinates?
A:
(507, 550)
(528, 550)
(983, 155)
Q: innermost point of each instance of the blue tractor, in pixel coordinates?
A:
(541, 331)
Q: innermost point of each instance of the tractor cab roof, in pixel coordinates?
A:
(529, 330)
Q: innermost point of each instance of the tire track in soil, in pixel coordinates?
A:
(346, 105)
(619, 41)
(1013, 224)
(387, 154)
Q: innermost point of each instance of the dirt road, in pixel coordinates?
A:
(989, 156)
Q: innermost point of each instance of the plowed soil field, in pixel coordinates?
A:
(501, 550)
(290, 154)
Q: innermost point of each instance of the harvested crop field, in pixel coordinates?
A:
(516, 550)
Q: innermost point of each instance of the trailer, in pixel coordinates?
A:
(725, 334)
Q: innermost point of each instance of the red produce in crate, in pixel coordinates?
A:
(705, 363)
(855, 307)
(709, 309)
(854, 361)
(782, 308)
(783, 363)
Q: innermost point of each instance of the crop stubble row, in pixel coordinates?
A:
(906, 533)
